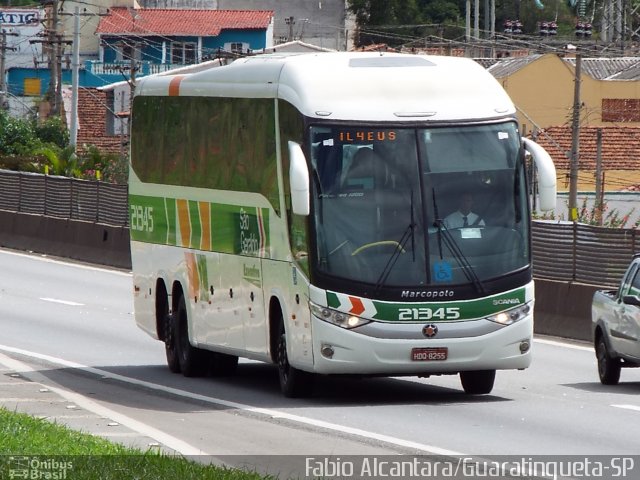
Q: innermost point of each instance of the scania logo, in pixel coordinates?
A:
(430, 330)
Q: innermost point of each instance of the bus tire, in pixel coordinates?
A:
(166, 327)
(170, 346)
(192, 360)
(294, 383)
(222, 364)
(608, 366)
(478, 382)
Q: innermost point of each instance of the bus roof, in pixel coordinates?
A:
(359, 86)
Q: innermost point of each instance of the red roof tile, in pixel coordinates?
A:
(620, 149)
(173, 22)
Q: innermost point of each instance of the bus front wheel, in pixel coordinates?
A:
(478, 382)
(192, 360)
(293, 382)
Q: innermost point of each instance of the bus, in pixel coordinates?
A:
(292, 209)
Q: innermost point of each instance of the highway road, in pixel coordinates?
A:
(73, 324)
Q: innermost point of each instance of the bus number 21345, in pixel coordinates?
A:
(420, 314)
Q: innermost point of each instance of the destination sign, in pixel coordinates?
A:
(367, 136)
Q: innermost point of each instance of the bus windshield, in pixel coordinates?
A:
(437, 206)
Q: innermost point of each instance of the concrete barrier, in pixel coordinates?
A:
(564, 309)
(85, 241)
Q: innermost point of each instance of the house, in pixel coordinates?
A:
(156, 40)
(296, 46)
(326, 23)
(619, 155)
(542, 88)
(96, 124)
(22, 29)
(140, 42)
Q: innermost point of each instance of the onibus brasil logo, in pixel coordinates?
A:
(38, 468)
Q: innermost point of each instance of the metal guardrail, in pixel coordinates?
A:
(576, 252)
(64, 197)
(563, 251)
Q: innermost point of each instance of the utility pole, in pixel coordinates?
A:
(75, 72)
(599, 202)
(54, 67)
(133, 70)
(54, 43)
(75, 65)
(575, 142)
(291, 22)
(3, 82)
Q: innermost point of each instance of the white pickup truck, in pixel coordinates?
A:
(615, 316)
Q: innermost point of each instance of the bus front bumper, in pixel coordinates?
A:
(341, 351)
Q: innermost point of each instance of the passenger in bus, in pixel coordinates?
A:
(464, 217)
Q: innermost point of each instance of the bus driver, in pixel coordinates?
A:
(464, 217)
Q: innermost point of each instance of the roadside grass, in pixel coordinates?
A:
(30, 444)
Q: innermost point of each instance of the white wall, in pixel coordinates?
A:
(624, 203)
(12, 20)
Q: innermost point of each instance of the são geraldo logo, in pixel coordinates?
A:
(249, 243)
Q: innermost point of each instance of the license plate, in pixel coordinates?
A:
(429, 354)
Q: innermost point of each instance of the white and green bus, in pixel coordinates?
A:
(292, 209)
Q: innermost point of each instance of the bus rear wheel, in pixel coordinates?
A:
(166, 327)
(192, 360)
(478, 382)
(294, 383)
(170, 344)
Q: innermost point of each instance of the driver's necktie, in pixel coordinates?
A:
(465, 221)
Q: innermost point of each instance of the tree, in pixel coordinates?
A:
(393, 22)
(27, 145)
(441, 12)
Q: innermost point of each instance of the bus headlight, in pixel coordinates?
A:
(335, 317)
(511, 316)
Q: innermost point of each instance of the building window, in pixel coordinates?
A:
(621, 110)
(237, 47)
(127, 52)
(183, 53)
(32, 87)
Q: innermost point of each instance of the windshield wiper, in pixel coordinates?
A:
(444, 234)
(408, 233)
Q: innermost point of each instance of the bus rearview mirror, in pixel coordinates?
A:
(298, 179)
(546, 174)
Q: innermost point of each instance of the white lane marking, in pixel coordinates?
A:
(238, 406)
(100, 410)
(63, 302)
(628, 407)
(556, 343)
(35, 256)
(28, 399)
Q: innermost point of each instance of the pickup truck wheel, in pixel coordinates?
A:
(478, 382)
(608, 366)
